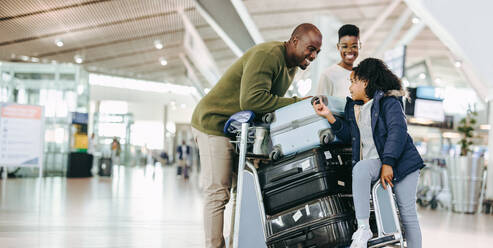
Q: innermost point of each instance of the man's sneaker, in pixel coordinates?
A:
(361, 237)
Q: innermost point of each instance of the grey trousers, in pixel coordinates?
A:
(366, 172)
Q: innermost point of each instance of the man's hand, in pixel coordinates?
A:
(386, 175)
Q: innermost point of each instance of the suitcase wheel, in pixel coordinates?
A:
(326, 138)
(268, 118)
(275, 154)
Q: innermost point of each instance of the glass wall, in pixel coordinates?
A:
(61, 89)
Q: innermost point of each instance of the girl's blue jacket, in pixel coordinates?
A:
(394, 145)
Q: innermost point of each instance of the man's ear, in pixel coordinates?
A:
(295, 41)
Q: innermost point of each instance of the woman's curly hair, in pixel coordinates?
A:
(378, 76)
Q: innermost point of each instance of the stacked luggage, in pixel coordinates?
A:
(306, 184)
(306, 188)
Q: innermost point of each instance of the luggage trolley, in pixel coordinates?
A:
(250, 221)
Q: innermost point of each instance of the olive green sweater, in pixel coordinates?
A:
(256, 81)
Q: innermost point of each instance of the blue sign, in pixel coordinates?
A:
(79, 118)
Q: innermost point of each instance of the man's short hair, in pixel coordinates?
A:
(348, 30)
(303, 29)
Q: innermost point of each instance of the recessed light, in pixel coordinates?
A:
(416, 20)
(458, 63)
(422, 75)
(58, 43)
(158, 44)
(163, 61)
(78, 59)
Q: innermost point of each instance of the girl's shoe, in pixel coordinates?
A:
(361, 237)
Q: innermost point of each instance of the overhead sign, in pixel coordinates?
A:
(21, 135)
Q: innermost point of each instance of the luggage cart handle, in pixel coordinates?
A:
(287, 173)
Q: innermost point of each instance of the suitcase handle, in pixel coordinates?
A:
(287, 173)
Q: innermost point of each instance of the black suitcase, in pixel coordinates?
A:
(105, 167)
(325, 222)
(178, 170)
(299, 179)
(292, 168)
(79, 164)
(340, 159)
(300, 191)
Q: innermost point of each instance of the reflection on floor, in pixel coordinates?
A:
(152, 207)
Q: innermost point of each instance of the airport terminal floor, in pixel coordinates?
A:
(150, 206)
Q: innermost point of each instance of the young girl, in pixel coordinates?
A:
(382, 149)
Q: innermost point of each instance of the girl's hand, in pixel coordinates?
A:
(322, 110)
(386, 175)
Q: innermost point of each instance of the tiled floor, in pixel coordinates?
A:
(151, 207)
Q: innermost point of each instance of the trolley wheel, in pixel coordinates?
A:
(268, 118)
(420, 202)
(275, 154)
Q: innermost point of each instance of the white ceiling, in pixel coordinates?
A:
(116, 37)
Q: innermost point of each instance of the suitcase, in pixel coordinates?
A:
(105, 167)
(297, 127)
(340, 158)
(178, 170)
(300, 191)
(326, 222)
(79, 164)
(301, 178)
(292, 168)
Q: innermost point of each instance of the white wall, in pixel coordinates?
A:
(148, 105)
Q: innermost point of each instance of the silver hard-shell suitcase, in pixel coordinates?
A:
(297, 127)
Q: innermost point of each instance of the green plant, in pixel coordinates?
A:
(466, 128)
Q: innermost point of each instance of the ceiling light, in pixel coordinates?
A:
(24, 58)
(58, 43)
(458, 63)
(78, 59)
(183, 105)
(206, 90)
(416, 20)
(158, 44)
(438, 80)
(163, 61)
(34, 59)
(422, 75)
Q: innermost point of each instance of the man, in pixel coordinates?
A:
(334, 81)
(256, 81)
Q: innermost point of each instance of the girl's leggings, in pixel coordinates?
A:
(366, 172)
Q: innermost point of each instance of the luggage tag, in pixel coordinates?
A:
(297, 215)
(328, 155)
(305, 165)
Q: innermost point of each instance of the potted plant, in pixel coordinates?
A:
(466, 129)
(465, 171)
